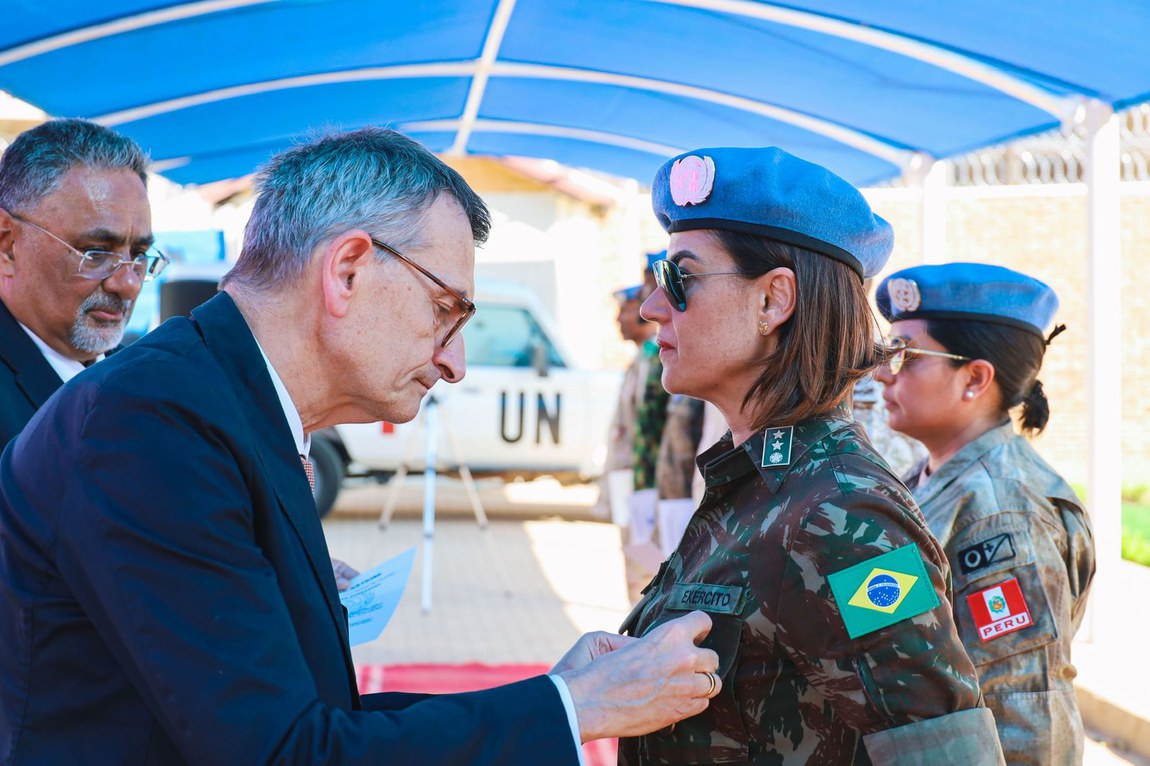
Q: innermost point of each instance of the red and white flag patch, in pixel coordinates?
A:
(999, 609)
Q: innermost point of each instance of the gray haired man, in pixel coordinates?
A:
(180, 555)
(73, 214)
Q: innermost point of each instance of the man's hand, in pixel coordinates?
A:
(626, 687)
(344, 574)
(589, 647)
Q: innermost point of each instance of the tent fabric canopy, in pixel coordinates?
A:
(212, 88)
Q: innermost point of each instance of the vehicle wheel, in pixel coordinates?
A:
(328, 467)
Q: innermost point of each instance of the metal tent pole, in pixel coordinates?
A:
(1104, 359)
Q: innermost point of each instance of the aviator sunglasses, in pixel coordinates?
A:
(669, 277)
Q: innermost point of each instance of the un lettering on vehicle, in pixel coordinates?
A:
(513, 410)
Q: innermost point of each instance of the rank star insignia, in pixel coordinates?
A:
(777, 453)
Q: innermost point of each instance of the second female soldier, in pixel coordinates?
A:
(969, 345)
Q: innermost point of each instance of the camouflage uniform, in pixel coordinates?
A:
(1003, 514)
(621, 438)
(675, 467)
(796, 689)
(649, 420)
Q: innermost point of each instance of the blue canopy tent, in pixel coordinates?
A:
(868, 89)
(872, 90)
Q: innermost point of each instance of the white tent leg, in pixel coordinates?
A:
(933, 222)
(1104, 361)
(930, 176)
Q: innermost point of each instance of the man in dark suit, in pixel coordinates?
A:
(73, 198)
(91, 182)
(165, 594)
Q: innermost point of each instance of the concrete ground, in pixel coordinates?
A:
(545, 571)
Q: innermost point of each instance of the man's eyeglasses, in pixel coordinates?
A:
(900, 351)
(670, 278)
(101, 264)
(463, 309)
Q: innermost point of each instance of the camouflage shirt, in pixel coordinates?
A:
(797, 689)
(650, 419)
(1019, 540)
(675, 468)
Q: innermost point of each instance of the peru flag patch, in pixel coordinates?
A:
(999, 609)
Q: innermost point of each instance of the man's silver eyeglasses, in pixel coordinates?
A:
(463, 309)
(899, 352)
(101, 264)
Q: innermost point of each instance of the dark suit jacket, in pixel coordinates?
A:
(166, 594)
(26, 378)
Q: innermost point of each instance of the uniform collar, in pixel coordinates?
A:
(960, 461)
(772, 452)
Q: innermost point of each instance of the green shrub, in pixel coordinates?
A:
(1136, 533)
(1134, 494)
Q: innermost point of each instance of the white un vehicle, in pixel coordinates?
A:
(523, 410)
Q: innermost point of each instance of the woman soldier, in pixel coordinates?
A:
(829, 597)
(968, 341)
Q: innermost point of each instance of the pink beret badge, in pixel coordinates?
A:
(904, 294)
(691, 180)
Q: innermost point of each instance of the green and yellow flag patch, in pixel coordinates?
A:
(883, 590)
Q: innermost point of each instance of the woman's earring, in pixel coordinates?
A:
(764, 328)
(968, 394)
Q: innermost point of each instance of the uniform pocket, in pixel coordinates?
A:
(1038, 727)
(1005, 614)
(718, 734)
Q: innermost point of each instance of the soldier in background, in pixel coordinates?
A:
(621, 438)
(970, 342)
(900, 451)
(641, 554)
(675, 470)
(829, 597)
(617, 486)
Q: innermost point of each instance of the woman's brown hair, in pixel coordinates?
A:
(828, 344)
(1016, 355)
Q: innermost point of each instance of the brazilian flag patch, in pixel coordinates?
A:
(883, 590)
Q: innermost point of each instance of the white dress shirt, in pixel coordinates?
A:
(303, 446)
(66, 368)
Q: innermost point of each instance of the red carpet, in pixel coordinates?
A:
(445, 679)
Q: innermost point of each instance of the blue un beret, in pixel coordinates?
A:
(627, 293)
(775, 195)
(631, 293)
(975, 291)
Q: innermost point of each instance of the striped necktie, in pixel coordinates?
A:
(309, 470)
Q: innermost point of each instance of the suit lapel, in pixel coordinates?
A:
(228, 337)
(33, 375)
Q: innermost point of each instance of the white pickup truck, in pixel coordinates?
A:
(523, 410)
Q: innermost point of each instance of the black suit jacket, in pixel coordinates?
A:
(166, 594)
(26, 378)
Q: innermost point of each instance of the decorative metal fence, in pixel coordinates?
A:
(1056, 157)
